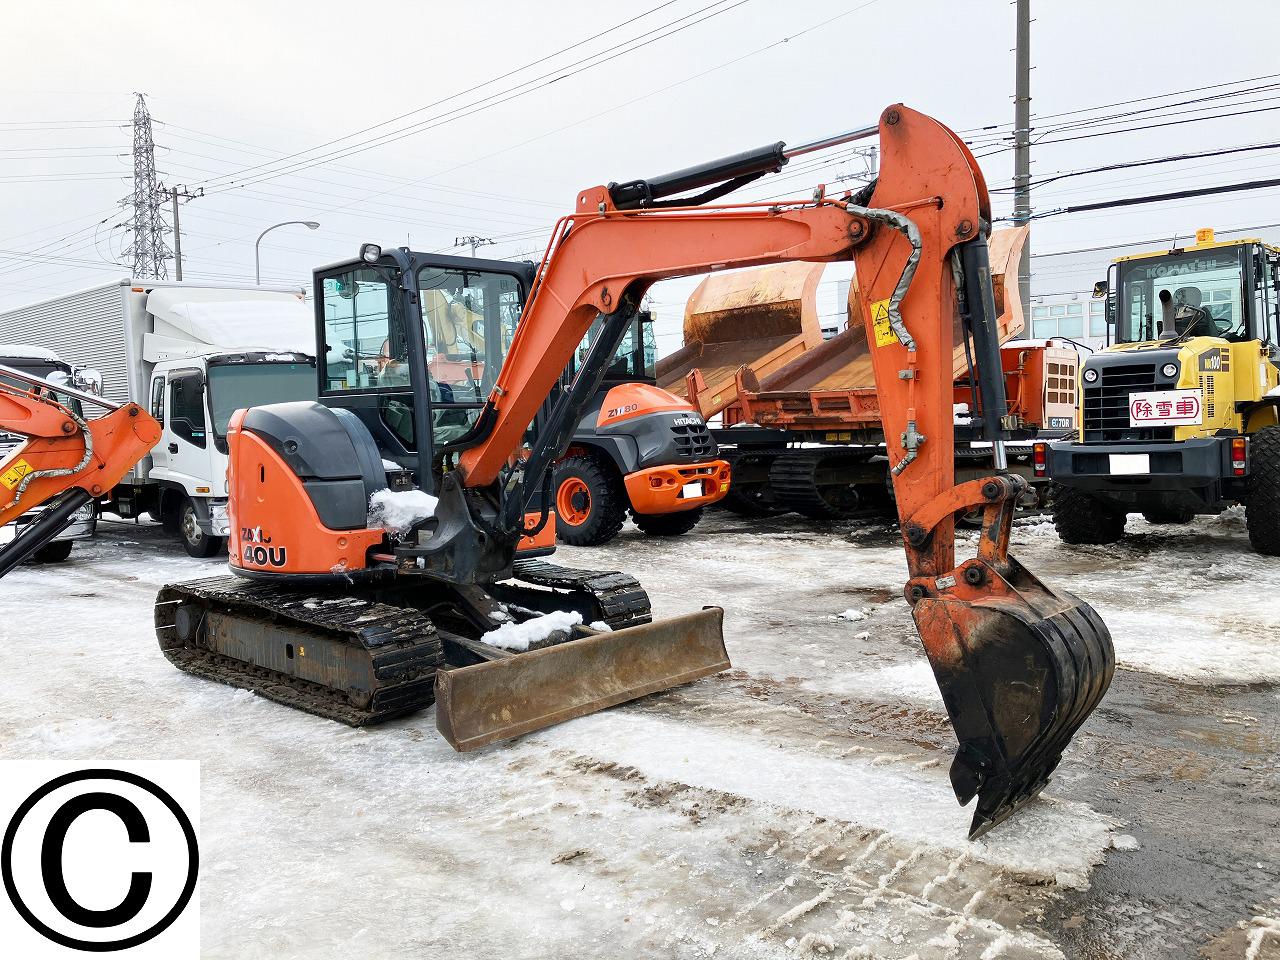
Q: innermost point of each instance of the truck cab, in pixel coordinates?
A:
(43, 363)
(193, 398)
(1178, 413)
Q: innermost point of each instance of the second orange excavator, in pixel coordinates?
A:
(337, 613)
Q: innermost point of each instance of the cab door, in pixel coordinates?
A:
(185, 439)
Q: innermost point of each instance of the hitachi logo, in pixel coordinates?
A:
(688, 421)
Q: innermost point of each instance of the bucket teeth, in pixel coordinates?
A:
(1017, 685)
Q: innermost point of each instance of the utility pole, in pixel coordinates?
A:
(1022, 144)
(174, 194)
(147, 251)
(473, 242)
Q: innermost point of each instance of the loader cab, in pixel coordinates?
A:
(1225, 290)
(635, 359)
(412, 343)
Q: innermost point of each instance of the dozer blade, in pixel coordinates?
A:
(1020, 669)
(503, 698)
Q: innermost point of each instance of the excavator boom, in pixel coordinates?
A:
(66, 461)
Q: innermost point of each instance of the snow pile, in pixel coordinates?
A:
(853, 614)
(397, 511)
(520, 636)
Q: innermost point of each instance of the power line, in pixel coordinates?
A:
(492, 100)
(1163, 197)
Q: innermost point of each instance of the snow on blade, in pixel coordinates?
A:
(520, 636)
(1060, 841)
(398, 510)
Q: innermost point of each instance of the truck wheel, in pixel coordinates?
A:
(55, 552)
(194, 540)
(667, 524)
(1080, 518)
(1262, 497)
(1165, 515)
(591, 503)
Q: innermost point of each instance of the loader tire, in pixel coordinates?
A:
(1080, 518)
(667, 524)
(1262, 498)
(1165, 515)
(590, 500)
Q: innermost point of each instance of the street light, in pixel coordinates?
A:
(257, 269)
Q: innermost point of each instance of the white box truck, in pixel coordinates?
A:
(192, 354)
(45, 364)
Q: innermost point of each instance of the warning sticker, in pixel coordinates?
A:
(880, 319)
(13, 476)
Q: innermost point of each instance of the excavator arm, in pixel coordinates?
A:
(1020, 666)
(66, 460)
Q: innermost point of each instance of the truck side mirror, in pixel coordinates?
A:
(87, 379)
(1100, 289)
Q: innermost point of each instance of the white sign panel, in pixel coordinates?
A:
(1166, 408)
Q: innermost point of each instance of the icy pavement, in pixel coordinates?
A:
(796, 807)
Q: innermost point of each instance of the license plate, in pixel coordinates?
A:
(1165, 408)
(690, 490)
(1130, 463)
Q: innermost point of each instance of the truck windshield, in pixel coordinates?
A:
(234, 386)
(1209, 282)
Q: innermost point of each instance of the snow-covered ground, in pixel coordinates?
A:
(798, 806)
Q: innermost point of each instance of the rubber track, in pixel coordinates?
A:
(792, 479)
(402, 644)
(619, 596)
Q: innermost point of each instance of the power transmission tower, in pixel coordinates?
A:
(1022, 144)
(472, 242)
(147, 250)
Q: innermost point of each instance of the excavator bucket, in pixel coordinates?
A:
(514, 694)
(1020, 667)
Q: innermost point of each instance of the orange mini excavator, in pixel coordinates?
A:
(334, 613)
(65, 460)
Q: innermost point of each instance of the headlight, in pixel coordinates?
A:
(1170, 370)
(1090, 375)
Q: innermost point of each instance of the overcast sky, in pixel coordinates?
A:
(236, 85)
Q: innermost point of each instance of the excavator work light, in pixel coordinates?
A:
(370, 252)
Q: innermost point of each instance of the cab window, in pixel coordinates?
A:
(186, 407)
(364, 350)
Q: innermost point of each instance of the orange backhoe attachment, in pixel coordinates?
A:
(1020, 666)
(66, 461)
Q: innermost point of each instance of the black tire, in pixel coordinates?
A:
(1262, 503)
(1163, 515)
(1080, 518)
(598, 499)
(56, 552)
(667, 524)
(195, 541)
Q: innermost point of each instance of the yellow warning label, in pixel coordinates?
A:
(880, 319)
(13, 476)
